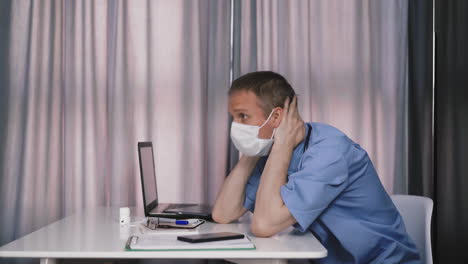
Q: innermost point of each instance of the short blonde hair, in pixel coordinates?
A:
(270, 87)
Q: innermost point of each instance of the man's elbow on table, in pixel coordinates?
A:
(262, 228)
(219, 218)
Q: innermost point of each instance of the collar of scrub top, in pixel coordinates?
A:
(306, 143)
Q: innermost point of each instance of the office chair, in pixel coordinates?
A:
(417, 212)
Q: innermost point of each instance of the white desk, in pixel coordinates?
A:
(96, 234)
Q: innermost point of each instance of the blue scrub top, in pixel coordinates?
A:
(333, 190)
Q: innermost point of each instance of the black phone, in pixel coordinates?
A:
(210, 237)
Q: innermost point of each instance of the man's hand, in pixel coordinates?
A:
(291, 130)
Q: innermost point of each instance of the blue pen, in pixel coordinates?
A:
(178, 222)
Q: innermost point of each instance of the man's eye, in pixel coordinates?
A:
(242, 116)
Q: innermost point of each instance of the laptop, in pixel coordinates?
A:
(150, 192)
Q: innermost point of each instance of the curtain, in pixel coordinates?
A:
(451, 130)
(421, 103)
(420, 98)
(347, 60)
(81, 82)
(87, 80)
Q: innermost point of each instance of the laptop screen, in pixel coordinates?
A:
(148, 174)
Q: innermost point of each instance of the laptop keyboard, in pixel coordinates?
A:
(177, 206)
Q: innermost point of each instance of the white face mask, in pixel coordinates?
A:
(246, 140)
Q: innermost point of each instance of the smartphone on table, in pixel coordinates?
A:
(210, 237)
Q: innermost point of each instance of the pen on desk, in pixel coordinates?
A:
(181, 222)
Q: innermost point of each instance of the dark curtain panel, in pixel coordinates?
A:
(237, 43)
(420, 101)
(420, 98)
(233, 154)
(451, 132)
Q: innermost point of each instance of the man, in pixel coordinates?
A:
(309, 175)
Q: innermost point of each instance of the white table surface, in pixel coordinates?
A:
(96, 233)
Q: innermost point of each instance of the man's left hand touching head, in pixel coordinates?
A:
(291, 130)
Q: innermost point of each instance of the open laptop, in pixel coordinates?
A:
(150, 192)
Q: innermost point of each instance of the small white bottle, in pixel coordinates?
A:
(124, 215)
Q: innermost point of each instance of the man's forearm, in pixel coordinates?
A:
(229, 204)
(271, 214)
(269, 204)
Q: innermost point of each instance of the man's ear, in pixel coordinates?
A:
(277, 116)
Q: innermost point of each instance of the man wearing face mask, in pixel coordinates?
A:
(309, 175)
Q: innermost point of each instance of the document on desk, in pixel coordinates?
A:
(170, 242)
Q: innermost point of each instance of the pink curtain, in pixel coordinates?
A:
(347, 60)
(87, 81)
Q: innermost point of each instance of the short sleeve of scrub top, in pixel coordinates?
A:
(309, 191)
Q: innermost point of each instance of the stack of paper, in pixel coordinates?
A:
(143, 229)
(170, 242)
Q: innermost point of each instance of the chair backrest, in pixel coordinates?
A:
(417, 212)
